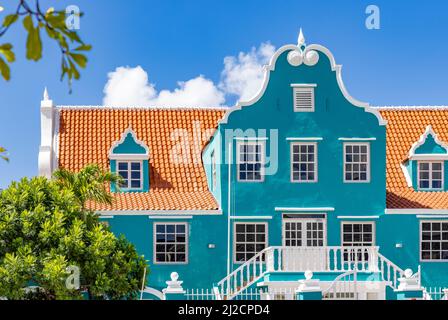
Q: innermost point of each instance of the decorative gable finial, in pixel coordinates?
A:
(301, 39)
(46, 96)
(429, 131)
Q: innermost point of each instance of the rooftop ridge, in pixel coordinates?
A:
(99, 107)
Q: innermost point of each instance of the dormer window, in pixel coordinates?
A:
(430, 175)
(303, 97)
(131, 172)
(129, 157)
(425, 168)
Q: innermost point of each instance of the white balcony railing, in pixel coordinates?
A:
(301, 259)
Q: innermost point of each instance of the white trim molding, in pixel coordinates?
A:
(358, 217)
(251, 217)
(250, 138)
(433, 216)
(302, 53)
(357, 139)
(422, 140)
(303, 85)
(407, 176)
(128, 156)
(170, 217)
(304, 139)
(158, 212)
(417, 211)
(310, 209)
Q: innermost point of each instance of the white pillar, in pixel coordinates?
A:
(47, 124)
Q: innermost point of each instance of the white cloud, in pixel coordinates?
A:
(128, 87)
(242, 77)
(197, 92)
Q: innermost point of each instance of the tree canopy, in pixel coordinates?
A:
(45, 233)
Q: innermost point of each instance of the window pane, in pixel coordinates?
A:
(171, 242)
(356, 162)
(122, 166)
(249, 239)
(434, 241)
(303, 162)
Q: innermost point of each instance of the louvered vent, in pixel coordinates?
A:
(304, 99)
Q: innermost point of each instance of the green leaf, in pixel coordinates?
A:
(4, 69)
(6, 50)
(28, 23)
(84, 47)
(73, 71)
(80, 59)
(33, 41)
(10, 19)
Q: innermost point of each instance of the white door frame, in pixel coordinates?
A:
(304, 220)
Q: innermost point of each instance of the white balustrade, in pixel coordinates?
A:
(316, 259)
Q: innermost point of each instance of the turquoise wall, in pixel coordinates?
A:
(129, 145)
(205, 265)
(430, 147)
(214, 146)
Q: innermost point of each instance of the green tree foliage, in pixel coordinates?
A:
(3, 154)
(89, 184)
(44, 230)
(36, 23)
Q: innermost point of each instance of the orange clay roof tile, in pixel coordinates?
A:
(404, 127)
(86, 135)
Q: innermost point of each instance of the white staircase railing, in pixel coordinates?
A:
(389, 271)
(343, 287)
(300, 259)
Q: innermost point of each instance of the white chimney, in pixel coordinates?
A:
(47, 123)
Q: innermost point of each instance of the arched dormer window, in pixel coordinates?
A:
(425, 168)
(129, 157)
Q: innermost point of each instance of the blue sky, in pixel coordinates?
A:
(402, 63)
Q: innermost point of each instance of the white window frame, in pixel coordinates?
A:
(304, 230)
(373, 223)
(263, 159)
(187, 242)
(308, 88)
(266, 238)
(213, 170)
(316, 179)
(129, 162)
(421, 239)
(430, 171)
(368, 161)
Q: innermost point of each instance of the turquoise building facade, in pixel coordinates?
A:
(302, 179)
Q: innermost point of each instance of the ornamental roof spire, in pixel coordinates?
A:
(301, 39)
(46, 96)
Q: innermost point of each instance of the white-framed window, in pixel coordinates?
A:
(430, 175)
(356, 162)
(171, 242)
(434, 240)
(249, 239)
(303, 98)
(250, 161)
(213, 162)
(357, 233)
(304, 162)
(132, 174)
